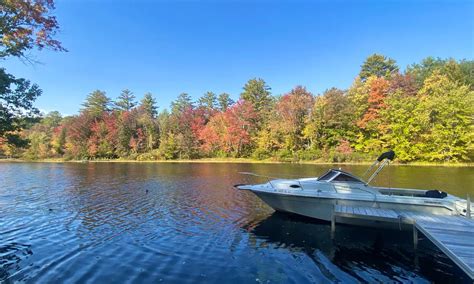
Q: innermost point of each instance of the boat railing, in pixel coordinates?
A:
(301, 186)
(257, 175)
(359, 188)
(270, 178)
(468, 207)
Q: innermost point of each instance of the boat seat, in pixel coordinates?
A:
(435, 194)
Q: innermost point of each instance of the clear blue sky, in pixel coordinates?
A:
(169, 47)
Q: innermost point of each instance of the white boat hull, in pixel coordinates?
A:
(322, 208)
(306, 206)
(318, 197)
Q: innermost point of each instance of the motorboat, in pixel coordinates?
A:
(316, 197)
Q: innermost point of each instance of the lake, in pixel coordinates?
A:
(184, 223)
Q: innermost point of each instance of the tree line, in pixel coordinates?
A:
(424, 113)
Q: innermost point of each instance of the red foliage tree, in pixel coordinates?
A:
(111, 125)
(229, 131)
(104, 136)
(376, 99)
(211, 136)
(26, 24)
(78, 133)
(344, 147)
(293, 107)
(137, 141)
(404, 83)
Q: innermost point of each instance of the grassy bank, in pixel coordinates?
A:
(233, 160)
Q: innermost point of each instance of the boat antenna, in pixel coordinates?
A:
(381, 161)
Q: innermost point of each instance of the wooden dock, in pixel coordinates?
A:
(453, 235)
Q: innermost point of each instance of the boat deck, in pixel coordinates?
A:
(453, 235)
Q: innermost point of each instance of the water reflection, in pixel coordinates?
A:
(355, 253)
(184, 223)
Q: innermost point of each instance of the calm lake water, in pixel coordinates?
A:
(184, 223)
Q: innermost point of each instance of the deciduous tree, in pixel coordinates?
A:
(16, 104)
(446, 112)
(291, 113)
(331, 120)
(25, 24)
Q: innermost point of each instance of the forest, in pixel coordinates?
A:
(424, 113)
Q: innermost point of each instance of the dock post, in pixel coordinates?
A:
(415, 237)
(468, 211)
(333, 225)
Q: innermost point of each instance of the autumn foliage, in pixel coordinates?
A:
(427, 121)
(26, 24)
(376, 101)
(229, 132)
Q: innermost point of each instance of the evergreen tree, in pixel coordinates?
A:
(96, 103)
(126, 101)
(208, 101)
(147, 119)
(52, 119)
(258, 94)
(126, 125)
(224, 101)
(163, 121)
(182, 103)
(456, 71)
(148, 103)
(427, 122)
(378, 65)
(467, 69)
(208, 105)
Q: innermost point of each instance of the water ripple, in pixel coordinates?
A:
(134, 223)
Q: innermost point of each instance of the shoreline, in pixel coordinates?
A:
(233, 161)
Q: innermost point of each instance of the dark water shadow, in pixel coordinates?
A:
(359, 253)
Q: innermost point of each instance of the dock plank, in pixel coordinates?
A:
(356, 211)
(453, 235)
(448, 229)
(370, 210)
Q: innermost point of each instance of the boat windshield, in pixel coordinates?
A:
(345, 177)
(338, 176)
(329, 175)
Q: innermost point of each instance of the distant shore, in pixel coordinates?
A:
(231, 160)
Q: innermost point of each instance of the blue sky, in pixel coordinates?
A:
(169, 47)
